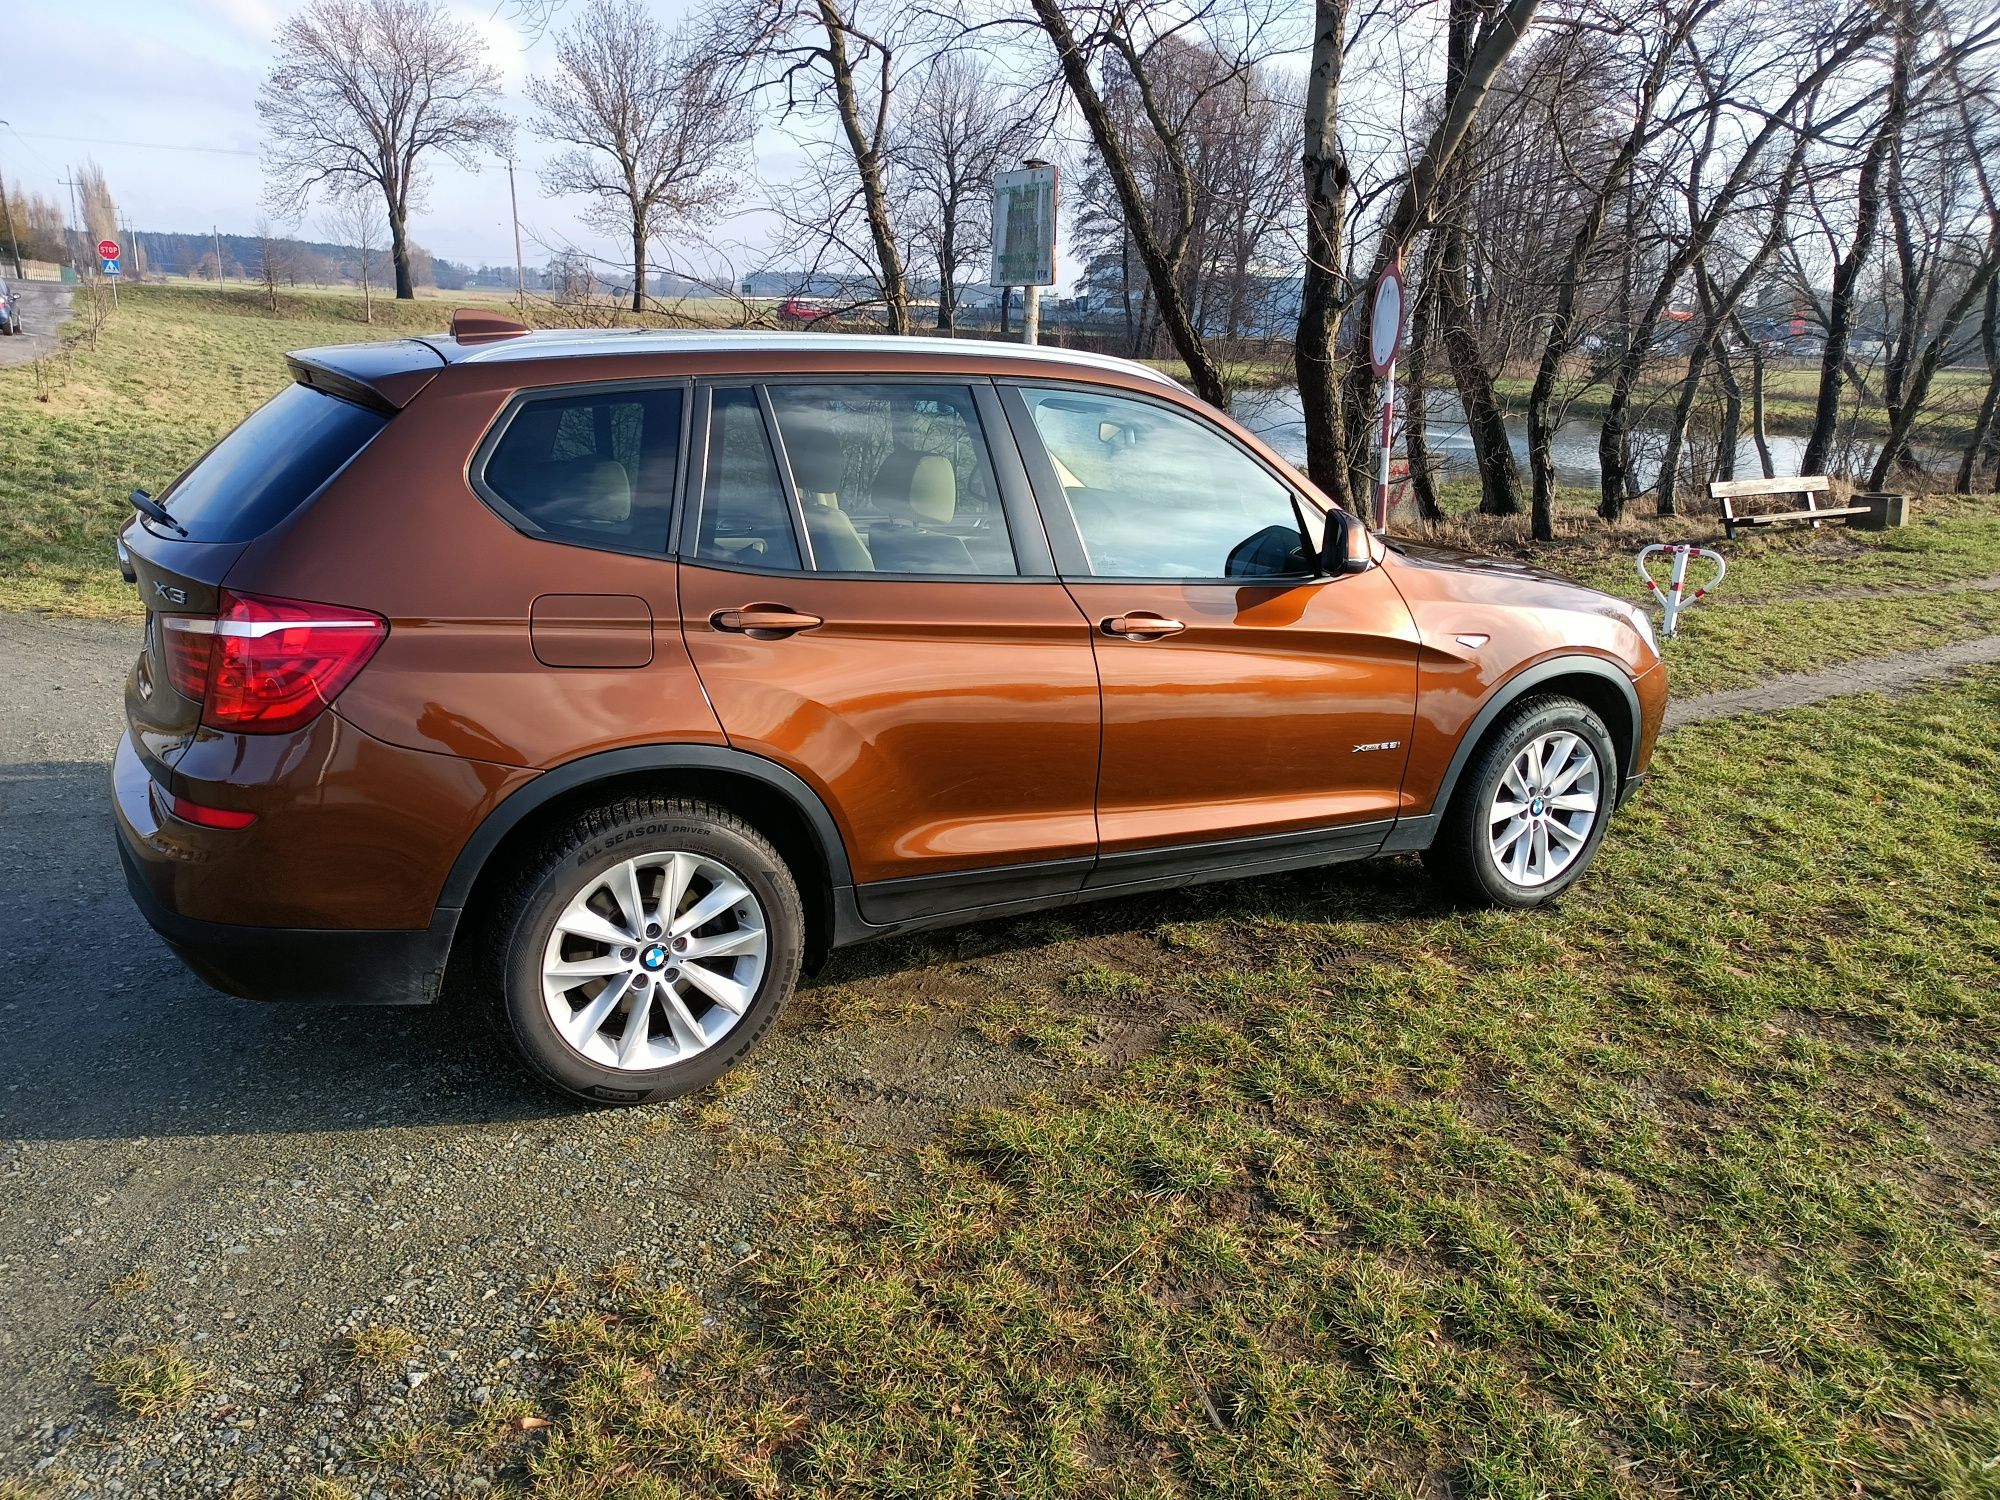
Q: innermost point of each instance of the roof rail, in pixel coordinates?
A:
(473, 325)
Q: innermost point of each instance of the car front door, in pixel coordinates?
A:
(1256, 710)
(870, 602)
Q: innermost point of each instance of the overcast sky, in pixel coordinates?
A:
(162, 93)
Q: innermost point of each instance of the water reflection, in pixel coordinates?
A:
(1277, 417)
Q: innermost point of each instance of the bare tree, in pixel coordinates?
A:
(960, 129)
(1323, 293)
(100, 210)
(363, 93)
(1136, 43)
(655, 128)
(830, 54)
(274, 261)
(350, 219)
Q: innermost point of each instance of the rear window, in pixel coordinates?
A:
(261, 472)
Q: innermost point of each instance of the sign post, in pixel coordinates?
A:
(1024, 237)
(1385, 342)
(107, 259)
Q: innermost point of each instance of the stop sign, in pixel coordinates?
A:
(108, 249)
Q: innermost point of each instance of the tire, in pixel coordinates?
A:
(1530, 866)
(703, 1010)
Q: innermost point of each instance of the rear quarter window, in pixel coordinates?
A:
(264, 470)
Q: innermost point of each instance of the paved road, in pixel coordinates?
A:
(44, 309)
(271, 1175)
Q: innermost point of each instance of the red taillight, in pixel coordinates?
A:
(203, 816)
(264, 666)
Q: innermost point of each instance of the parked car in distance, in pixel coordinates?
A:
(799, 310)
(613, 678)
(10, 311)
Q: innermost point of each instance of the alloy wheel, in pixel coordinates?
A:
(1544, 808)
(654, 960)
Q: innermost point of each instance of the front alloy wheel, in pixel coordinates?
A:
(1530, 807)
(1544, 809)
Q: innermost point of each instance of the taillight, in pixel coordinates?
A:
(265, 666)
(204, 816)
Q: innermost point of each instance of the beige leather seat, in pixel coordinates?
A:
(818, 465)
(918, 491)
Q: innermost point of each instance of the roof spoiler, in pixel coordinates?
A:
(384, 377)
(475, 325)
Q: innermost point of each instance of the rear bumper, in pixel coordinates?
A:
(315, 965)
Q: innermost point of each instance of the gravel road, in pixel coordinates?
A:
(44, 309)
(247, 1182)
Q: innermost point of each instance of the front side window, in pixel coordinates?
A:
(893, 478)
(1156, 494)
(595, 466)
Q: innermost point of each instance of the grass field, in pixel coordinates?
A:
(1688, 1187)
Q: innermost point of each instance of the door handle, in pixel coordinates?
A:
(1140, 625)
(764, 622)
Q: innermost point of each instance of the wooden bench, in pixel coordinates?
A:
(1808, 487)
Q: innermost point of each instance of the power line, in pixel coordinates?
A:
(86, 140)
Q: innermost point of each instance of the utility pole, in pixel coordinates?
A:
(218, 253)
(70, 228)
(13, 239)
(520, 275)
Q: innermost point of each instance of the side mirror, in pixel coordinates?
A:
(1345, 548)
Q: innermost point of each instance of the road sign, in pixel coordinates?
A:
(110, 265)
(1024, 227)
(1385, 328)
(107, 249)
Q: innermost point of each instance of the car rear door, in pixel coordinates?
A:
(1254, 710)
(870, 601)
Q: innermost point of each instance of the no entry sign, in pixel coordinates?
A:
(1385, 329)
(107, 249)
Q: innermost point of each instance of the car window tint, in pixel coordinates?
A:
(263, 471)
(595, 467)
(744, 516)
(1159, 495)
(894, 478)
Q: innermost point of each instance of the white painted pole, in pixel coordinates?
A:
(1031, 315)
(1388, 434)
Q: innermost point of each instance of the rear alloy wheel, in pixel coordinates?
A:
(647, 949)
(1530, 808)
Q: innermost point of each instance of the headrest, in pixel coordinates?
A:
(818, 461)
(606, 494)
(920, 485)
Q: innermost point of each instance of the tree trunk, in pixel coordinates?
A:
(867, 167)
(1732, 414)
(1499, 475)
(638, 263)
(1982, 448)
(1847, 272)
(1670, 458)
(399, 252)
(1162, 268)
(1905, 406)
(1416, 419)
(1320, 301)
(947, 313)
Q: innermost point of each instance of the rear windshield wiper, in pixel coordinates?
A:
(152, 510)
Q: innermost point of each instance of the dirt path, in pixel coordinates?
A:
(1874, 674)
(45, 307)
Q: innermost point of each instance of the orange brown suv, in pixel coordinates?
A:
(615, 676)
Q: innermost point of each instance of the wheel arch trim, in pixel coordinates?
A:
(1625, 738)
(607, 765)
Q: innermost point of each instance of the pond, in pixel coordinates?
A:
(1277, 417)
